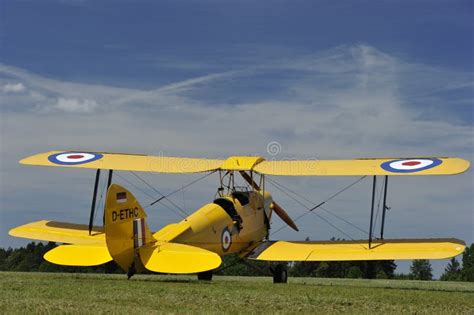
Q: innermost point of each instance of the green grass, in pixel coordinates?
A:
(100, 294)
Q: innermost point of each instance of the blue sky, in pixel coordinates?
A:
(211, 79)
(110, 39)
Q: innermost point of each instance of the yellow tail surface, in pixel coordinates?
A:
(125, 227)
(60, 232)
(78, 255)
(178, 258)
(128, 237)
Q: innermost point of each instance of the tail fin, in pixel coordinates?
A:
(125, 227)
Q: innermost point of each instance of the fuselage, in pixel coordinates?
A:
(231, 224)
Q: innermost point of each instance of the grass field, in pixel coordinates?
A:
(93, 293)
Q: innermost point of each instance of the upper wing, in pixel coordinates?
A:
(124, 162)
(162, 164)
(360, 167)
(357, 250)
(60, 232)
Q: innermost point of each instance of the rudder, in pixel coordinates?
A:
(125, 226)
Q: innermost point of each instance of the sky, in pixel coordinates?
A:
(212, 79)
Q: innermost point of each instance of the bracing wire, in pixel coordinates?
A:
(183, 213)
(335, 227)
(344, 220)
(148, 194)
(135, 186)
(160, 193)
(98, 205)
(184, 200)
(323, 202)
(182, 188)
(299, 217)
(318, 205)
(309, 211)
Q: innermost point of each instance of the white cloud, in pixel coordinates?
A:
(71, 105)
(13, 88)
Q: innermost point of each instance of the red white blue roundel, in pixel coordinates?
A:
(410, 165)
(73, 158)
(226, 239)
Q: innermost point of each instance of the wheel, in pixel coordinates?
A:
(280, 274)
(205, 276)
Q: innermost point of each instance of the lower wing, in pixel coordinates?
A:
(357, 250)
(60, 232)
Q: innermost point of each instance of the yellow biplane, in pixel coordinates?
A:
(237, 221)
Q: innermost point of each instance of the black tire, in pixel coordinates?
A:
(280, 274)
(205, 276)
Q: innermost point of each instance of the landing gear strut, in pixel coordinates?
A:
(131, 271)
(280, 274)
(205, 276)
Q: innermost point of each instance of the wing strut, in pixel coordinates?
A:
(374, 185)
(94, 197)
(385, 207)
(109, 182)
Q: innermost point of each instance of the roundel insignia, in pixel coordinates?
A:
(410, 165)
(226, 239)
(74, 158)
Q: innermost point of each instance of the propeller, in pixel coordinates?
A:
(276, 207)
(284, 216)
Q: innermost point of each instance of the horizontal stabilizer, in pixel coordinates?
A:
(169, 232)
(78, 255)
(358, 250)
(178, 258)
(60, 232)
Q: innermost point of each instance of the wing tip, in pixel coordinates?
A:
(466, 166)
(13, 232)
(458, 167)
(24, 161)
(32, 159)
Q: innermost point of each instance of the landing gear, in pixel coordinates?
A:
(131, 271)
(280, 274)
(205, 276)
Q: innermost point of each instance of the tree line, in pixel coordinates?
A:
(30, 259)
